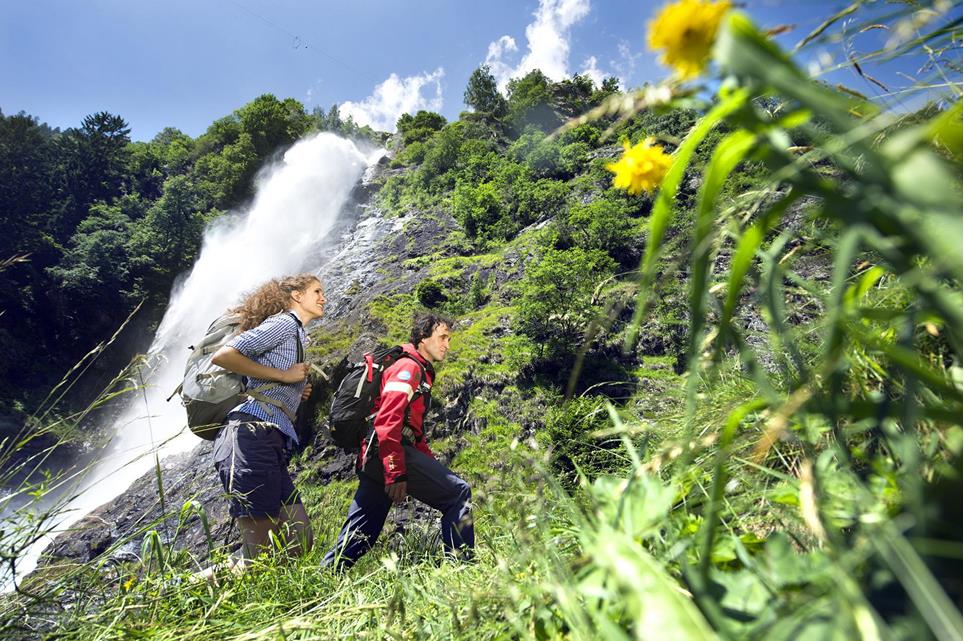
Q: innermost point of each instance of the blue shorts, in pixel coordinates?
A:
(251, 458)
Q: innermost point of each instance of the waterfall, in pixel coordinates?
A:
(296, 205)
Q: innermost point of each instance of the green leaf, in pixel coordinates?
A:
(637, 506)
(909, 360)
(658, 608)
(727, 155)
(746, 248)
(931, 600)
(947, 131)
(785, 494)
(662, 214)
(846, 251)
(858, 290)
(742, 50)
(708, 529)
(744, 596)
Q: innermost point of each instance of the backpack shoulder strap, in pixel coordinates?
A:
(300, 358)
(421, 371)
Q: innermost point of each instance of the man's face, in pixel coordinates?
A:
(436, 346)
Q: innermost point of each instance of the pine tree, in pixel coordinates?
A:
(482, 93)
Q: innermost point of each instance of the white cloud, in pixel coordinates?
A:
(626, 65)
(394, 97)
(591, 68)
(501, 70)
(498, 48)
(548, 43)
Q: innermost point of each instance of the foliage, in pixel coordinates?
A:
(395, 313)
(429, 293)
(557, 297)
(539, 200)
(885, 210)
(482, 94)
(272, 124)
(530, 102)
(574, 95)
(92, 162)
(603, 224)
(801, 479)
(112, 222)
(420, 127)
(166, 241)
(570, 432)
(480, 210)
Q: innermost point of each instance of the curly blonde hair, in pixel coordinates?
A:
(270, 298)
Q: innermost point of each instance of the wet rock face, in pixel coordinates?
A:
(117, 529)
(368, 262)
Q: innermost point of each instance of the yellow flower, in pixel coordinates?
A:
(641, 168)
(685, 31)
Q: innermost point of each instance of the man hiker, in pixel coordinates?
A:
(395, 461)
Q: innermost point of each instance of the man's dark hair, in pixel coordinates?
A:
(425, 324)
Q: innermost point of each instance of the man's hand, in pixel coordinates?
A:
(295, 374)
(305, 393)
(397, 491)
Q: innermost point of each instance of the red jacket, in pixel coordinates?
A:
(399, 384)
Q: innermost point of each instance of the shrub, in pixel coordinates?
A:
(602, 224)
(429, 293)
(482, 93)
(530, 98)
(556, 297)
(480, 210)
(569, 432)
(539, 200)
(420, 127)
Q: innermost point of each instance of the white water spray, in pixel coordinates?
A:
(296, 206)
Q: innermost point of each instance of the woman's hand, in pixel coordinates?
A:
(294, 374)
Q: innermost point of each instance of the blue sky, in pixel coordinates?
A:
(185, 63)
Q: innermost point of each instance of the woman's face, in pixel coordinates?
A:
(309, 303)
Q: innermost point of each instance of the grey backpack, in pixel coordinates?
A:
(209, 392)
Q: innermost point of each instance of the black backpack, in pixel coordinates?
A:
(350, 419)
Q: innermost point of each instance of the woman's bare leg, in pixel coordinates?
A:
(296, 529)
(254, 534)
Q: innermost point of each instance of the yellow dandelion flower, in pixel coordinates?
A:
(685, 32)
(641, 167)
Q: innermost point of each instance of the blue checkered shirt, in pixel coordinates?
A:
(273, 343)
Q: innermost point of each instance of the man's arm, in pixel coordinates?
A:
(396, 393)
(422, 446)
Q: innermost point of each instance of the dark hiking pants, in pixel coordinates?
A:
(428, 481)
(251, 457)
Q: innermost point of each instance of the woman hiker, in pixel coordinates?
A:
(252, 449)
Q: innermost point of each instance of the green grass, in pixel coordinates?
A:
(404, 588)
(483, 347)
(395, 313)
(334, 343)
(446, 270)
(600, 559)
